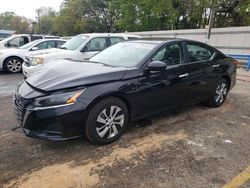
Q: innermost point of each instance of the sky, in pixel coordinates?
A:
(27, 8)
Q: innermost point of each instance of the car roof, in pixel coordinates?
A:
(109, 34)
(43, 40)
(159, 40)
(155, 41)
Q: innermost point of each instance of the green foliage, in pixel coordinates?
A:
(10, 21)
(45, 23)
(84, 16)
(79, 16)
(70, 19)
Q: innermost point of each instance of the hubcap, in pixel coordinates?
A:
(109, 124)
(221, 92)
(14, 65)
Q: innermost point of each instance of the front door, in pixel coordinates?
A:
(163, 90)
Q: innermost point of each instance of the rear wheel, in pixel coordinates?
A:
(219, 94)
(13, 65)
(106, 121)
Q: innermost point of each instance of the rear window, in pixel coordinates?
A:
(60, 43)
(198, 52)
(114, 40)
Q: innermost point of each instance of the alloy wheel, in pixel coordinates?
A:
(14, 65)
(109, 122)
(221, 93)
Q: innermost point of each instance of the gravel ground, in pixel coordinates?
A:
(192, 147)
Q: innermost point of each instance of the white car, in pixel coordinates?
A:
(11, 59)
(16, 41)
(78, 48)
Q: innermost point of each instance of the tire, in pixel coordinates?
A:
(13, 65)
(103, 130)
(219, 94)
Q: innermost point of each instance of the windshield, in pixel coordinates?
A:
(74, 43)
(125, 54)
(29, 45)
(7, 39)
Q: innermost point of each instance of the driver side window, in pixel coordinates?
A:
(17, 42)
(170, 54)
(46, 45)
(96, 44)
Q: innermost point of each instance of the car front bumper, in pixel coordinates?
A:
(53, 123)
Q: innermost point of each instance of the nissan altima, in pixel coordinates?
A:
(126, 82)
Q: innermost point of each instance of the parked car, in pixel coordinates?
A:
(128, 81)
(16, 41)
(11, 59)
(80, 47)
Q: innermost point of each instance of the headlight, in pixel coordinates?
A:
(58, 99)
(36, 61)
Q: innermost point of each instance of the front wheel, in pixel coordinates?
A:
(106, 121)
(219, 94)
(13, 65)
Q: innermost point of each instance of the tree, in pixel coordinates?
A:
(46, 16)
(80, 16)
(70, 20)
(11, 21)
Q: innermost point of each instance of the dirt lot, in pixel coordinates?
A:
(191, 147)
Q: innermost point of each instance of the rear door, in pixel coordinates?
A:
(197, 70)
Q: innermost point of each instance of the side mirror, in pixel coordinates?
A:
(34, 48)
(156, 66)
(7, 44)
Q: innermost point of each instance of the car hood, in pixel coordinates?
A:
(69, 74)
(2, 45)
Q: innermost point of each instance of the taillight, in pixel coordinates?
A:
(235, 62)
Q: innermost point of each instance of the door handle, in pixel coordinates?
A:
(215, 66)
(184, 75)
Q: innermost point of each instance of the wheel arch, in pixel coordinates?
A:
(13, 56)
(118, 95)
(228, 79)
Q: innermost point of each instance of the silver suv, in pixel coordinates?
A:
(79, 48)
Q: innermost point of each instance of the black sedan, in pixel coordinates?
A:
(126, 82)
